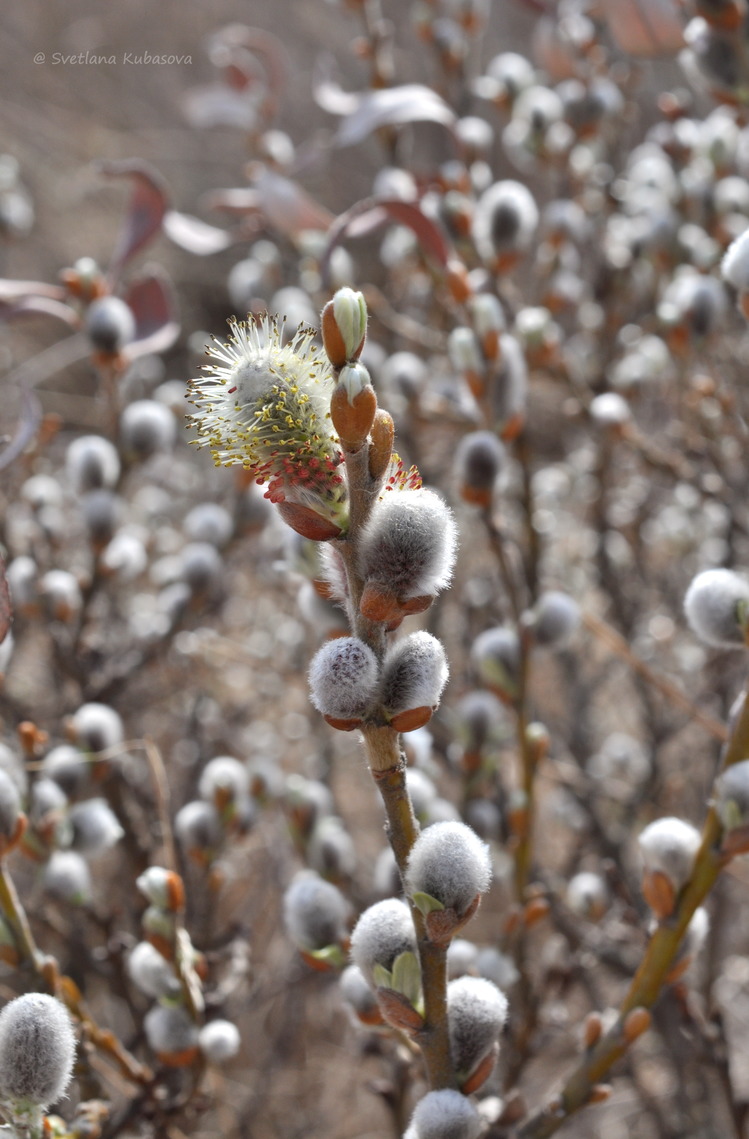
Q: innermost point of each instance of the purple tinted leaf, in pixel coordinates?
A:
(365, 215)
(14, 290)
(6, 609)
(35, 306)
(285, 206)
(28, 424)
(151, 299)
(393, 106)
(194, 235)
(146, 208)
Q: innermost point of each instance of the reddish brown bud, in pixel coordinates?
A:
(635, 1023)
(353, 419)
(411, 719)
(381, 446)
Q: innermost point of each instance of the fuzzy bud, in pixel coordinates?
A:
(717, 607)
(197, 826)
(344, 326)
(315, 912)
(496, 656)
(476, 1011)
(147, 427)
(224, 781)
(381, 935)
(163, 888)
(448, 869)
(735, 266)
(414, 674)
(68, 767)
(504, 222)
(588, 895)
(219, 1041)
(343, 679)
(444, 1114)
(732, 805)
(37, 1050)
(67, 878)
(96, 727)
(555, 618)
(151, 972)
(479, 459)
(92, 463)
(109, 324)
(10, 812)
(407, 547)
(358, 994)
(668, 847)
(171, 1034)
(95, 826)
(209, 522)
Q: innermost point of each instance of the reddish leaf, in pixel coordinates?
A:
(371, 212)
(28, 424)
(152, 301)
(194, 235)
(146, 208)
(6, 609)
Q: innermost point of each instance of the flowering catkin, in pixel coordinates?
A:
(37, 1049)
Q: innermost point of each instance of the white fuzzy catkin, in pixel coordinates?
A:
(224, 774)
(151, 972)
(444, 1114)
(669, 845)
(343, 678)
(97, 727)
(449, 862)
(314, 912)
(170, 1030)
(496, 656)
(219, 1041)
(409, 543)
(732, 795)
(94, 825)
(735, 265)
(556, 618)
(504, 220)
(588, 895)
(92, 462)
(414, 673)
(382, 933)
(10, 805)
(476, 1012)
(37, 1049)
(713, 606)
(478, 460)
